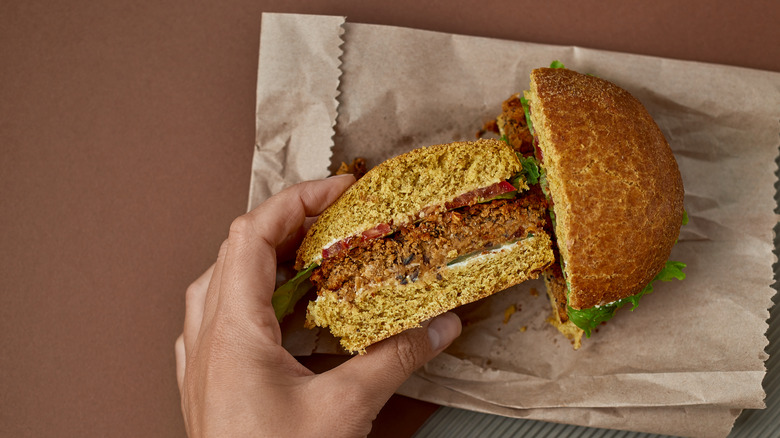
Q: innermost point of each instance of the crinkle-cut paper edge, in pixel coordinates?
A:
(275, 175)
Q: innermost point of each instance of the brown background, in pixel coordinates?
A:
(127, 130)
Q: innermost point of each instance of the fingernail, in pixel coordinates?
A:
(443, 330)
(343, 175)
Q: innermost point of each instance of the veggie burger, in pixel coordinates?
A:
(582, 189)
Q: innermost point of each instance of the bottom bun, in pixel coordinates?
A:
(556, 291)
(391, 308)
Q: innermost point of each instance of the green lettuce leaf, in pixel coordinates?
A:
(530, 172)
(588, 319)
(556, 64)
(530, 169)
(527, 112)
(507, 195)
(288, 294)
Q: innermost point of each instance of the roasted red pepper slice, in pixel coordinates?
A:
(480, 195)
(378, 231)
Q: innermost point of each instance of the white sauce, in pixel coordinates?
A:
(485, 254)
(482, 256)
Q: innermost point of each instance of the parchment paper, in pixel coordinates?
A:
(691, 357)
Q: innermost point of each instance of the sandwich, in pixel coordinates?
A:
(581, 189)
(613, 188)
(420, 234)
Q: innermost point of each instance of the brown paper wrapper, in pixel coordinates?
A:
(690, 358)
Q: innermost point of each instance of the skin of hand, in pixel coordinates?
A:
(235, 378)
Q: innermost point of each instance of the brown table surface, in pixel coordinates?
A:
(127, 130)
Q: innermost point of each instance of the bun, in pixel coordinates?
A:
(614, 182)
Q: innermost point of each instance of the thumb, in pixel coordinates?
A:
(390, 362)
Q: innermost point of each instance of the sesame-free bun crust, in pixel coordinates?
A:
(397, 190)
(616, 188)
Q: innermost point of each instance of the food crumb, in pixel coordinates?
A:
(534, 292)
(523, 328)
(508, 312)
(358, 168)
(489, 126)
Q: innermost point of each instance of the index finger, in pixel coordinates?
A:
(249, 272)
(285, 212)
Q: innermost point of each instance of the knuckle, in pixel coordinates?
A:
(193, 293)
(407, 353)
(241, 227)
(223, 248)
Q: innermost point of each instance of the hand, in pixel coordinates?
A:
(235, 378)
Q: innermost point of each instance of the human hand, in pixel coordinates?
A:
(235, 378)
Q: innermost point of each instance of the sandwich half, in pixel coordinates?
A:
(613, 188)
(420, 234)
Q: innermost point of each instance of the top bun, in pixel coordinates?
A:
(396, 191)
(614, 182)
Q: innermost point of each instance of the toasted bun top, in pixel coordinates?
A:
(616, 188)
(397, 190)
